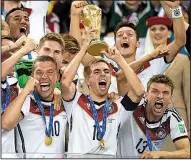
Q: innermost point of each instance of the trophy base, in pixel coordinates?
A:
(96, 46)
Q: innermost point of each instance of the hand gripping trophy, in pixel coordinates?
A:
(91, 17)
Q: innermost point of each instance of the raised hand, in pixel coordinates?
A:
(77, 7)
(112, 53)
(21, 41)
(31, 84)
(160, 51)
(168, 5)
(174, 4)
(30, 45)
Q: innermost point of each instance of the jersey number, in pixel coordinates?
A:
(56, 128)
(141, 148)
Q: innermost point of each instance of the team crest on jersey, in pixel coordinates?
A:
(161, 133)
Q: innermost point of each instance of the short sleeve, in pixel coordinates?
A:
(177, 127)
(26, 106)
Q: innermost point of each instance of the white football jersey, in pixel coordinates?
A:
(154, 67)
(8, 139)
(33, 130)
(82, 129)
(132, 137)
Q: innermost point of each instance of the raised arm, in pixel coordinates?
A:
(67, 86)
(10, 62)
(136, 88)
(138, 65)
(76, 9)
(179, 31)
(169, 13)
(12, 115)
(14, 46)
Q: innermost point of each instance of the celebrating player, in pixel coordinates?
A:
(45, 125)
(151, 123)
(93, 119)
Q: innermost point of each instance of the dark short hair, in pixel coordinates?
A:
(125, 24)
(161, 78)
(43, 59)
(13, 10)
(71, 44)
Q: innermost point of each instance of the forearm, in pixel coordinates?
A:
(74, 28)
(183, 153)
(11, 115)
(131, 77)
(179, 34)
(138, 64)
(87, 58)
(72, 68)
(10, 62)
(8, 48)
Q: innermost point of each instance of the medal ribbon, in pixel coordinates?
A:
(49, 130)
(29, 55)
(100, 133)
(149, 142)
(8, 96)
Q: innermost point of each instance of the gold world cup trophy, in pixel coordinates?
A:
(91, 17)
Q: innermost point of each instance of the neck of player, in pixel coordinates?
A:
(98, 98)
(47, 99)
(150, 117)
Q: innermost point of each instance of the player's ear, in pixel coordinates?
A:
(138, 44)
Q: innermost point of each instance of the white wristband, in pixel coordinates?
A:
(176, 12)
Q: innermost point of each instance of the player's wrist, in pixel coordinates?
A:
(25, 92)
(119, 59)
(176, 12)
(151, 56)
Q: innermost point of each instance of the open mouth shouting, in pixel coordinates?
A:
(44, 86)
(125, 44)
(158, 106)
(102, 84)
(23, 31)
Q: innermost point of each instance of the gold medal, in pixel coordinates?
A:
(102, 143)
(48, 141)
